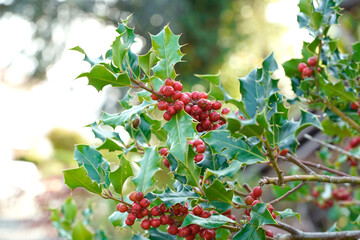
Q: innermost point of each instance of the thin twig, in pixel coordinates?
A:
(332, 147)
(314, 178)
(237, 192)
(298, 163)
(247, 187)
(288, 193)
(322, 167)
(273, 161)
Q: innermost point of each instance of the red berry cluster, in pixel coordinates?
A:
(199, 148)
(253, 198)
(196, 104)
(307, 69)
(321, 203)
(341, 194)
(355, 106)
(164, 152)
(355, 142)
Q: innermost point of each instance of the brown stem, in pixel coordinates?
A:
(143, 86)
(314, 178)
(298, 163)
(232, 229)
(247, 187)
(237, 192)
(288, 193)
(110, 196)
(332, 147)
(342, 115)
(322, 167)
(273, 161)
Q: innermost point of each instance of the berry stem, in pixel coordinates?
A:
(108, 195)
(237, 192)
(273, 160)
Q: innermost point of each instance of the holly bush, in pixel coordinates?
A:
(203, 143)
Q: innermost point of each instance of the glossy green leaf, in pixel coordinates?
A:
(338, 90)
(156, 234)
(170, 198)
(250, 232)
(288, 213)
(179, 129)
(217, 191)
(260, 215)
(139, 237)
(149, 165)
(78, 177)
(80, 232)
(86, 57)
(214, 221)
(102, 134)
(222, 234)
(234, 149)
(117, 219)
(119, 176)
(253, 127)
(97, 167)
(111, 145)
(99, 76)
(114, 120)
(148, 61)
(167, 48)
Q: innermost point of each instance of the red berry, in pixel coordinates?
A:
(161, 90)
(178, 86)
(269, 233)
(214, 116)
(209, 234)
(155, 222)
(203, 103)
(121, 207)
(179, 105)
(195, 110)
(187, 109)
(155, 211)
(173, 230)
(249, 200)
(177, 95)
(204, 115)
(225, 111)
(216, 126)
(301, 66)
(284, 152)
(232, 217)
(168, 91)
(254, 203)
(247, 212)
(228, 212)
(166, 162)
(216, 105)
(312, 61)
(257, 192)
(197, 142)
(145, 224)
(163, 152)
(200, 148)
(164, 219)
(154, 97)
(145, 212)
(205, 214)
(273, 215)
(358, 111)
(221, 122)
(167, 116)
(162, 105)
(162, 208)
(136, 208)
(184, 209)
(184, 232)
(132, 196)
(131, 217)
(145, 202)
(198, 158)
(129, 222)
(206, 124)
(315, 193)
(171, 110)
(354, 106)
(252, 195)
(307, 72)
(195, 95)
(194, 229)
(191, 237)
(203, 95)
(197, 210)
(139, 196)
(169, 82)
(270, 208)
(185, 98)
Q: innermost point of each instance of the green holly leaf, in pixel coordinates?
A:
(148, 61)
(233, 149)
(156, 234)
(338, 91)
(250, 232)
(339, 129)
(119, 176)
(179, 129)
(230, 171)
(142, 131)
(69, 211)
(103, 135)
(149, 165)
(217, 191)
(214, 221)
(120, 119)
(170, 198)
(260, 215)
(120, 47)
(288, 213)
(97, 167)
(215, 83)
(117, 219)
(110, 145)
(78, 177)
(99, 76)
(81, 232)
(86, 57)
(167, 48)
(222, 234)
(253, 127)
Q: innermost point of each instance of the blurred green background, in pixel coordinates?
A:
(44, 110)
